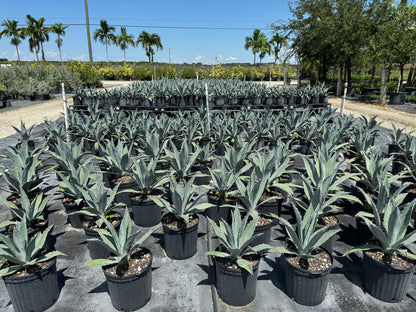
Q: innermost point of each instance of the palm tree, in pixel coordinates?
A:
(37, 33)
(59, 29)
(105, 34)
(124, 40)
(254, 42)
(265, 47)
(148, 41)
(277, 42)
(11, 30)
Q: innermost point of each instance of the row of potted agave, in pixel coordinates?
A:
(309, 176)
(188, 93)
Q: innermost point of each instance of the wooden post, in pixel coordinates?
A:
(343, 99)
(65, 113)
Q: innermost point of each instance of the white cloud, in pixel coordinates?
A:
(219, 57)
(79, 58)
(231, 58)
(52, 55)
(199, 58)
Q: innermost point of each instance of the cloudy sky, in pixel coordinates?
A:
(179, 23)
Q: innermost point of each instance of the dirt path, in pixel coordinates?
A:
(385, 114)
(37, 113)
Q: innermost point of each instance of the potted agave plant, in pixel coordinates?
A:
(181, 161)
(388, 264)
(118, 160)
(29, 271)
(202, 164)
(236, 259)
(180, 224)
(128, 269)
(307, 264)
(98, 206)
(145, 212)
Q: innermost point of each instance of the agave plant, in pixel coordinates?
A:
(306, 238)
(22, 169)
(121, 244)
(183, 204)
(222, 183)
(181, 161)
(153, 146)
(389, 225)
(54, 131)
(69, 156)
(117, 158)
(236, 239)
(236, 159)
(74, 182)
(97, 202)
(31, 211)
(23, 252)
(146, 179)
(24, 134)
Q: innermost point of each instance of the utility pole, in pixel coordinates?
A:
(87, 21)
(169, 56)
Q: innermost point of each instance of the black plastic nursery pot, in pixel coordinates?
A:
(130, 293)
(145, 212)
(180, 243)
(236, 286)
(306, 287)
(384, 281)
(397, 98)
(124, 198)
(218, 211)
(274, 206)
(265, 232)
(35, 292)
(329, 244)
(203, 169)
(74, 219)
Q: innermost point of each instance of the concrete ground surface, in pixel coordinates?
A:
(186, 285)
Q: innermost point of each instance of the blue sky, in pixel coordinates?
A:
(186, 45)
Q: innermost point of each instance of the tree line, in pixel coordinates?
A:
(37, 34)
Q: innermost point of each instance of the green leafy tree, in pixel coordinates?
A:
(38, 33)
(255, 42)
(105, 34)
(124, 40)
(59, 30)
(277, 42)
(148, 41)
(14, 32)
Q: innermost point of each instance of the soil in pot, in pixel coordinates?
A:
(273, 206)
(35, 289)
(130, 287)
(89, 225)
(236, 286)
(307, 279)
(387, 277)
(263, 227)
(145, 212)
(180, 238)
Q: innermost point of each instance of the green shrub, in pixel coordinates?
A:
(90, 76)
(124, 72)
(143, 73)
(187, 72)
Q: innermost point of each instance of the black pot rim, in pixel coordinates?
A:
(129, 278)
(186, 230)
(31, 276)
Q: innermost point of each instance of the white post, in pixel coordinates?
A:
(398, 85)
(154, 70)
(65, 113)
(343, 98)
(197, 76)
(206, 101)
(270, 80)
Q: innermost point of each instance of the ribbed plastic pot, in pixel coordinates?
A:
(145, 212)
(217, 213)
(271, 207)
(180, 244)
(265, 231)
(130, 293)
(124, 198)
(74, 219)
(202, 180)
(306, 287)
(329, 244)
(34, 292)
(385, 282)
(236, 287)
(96, 250)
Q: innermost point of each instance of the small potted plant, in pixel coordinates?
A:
(180, 224)
(29, 271)
(145, 212)
(98, 206)
(307, 264)
(128, 269)
(236, 259)
(388, 264)
(202, 164)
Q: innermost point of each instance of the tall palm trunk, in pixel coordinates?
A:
(124, 56)
(106, 48)
(254, 58)
(59, 47)
(43, 52)
(17, 51)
